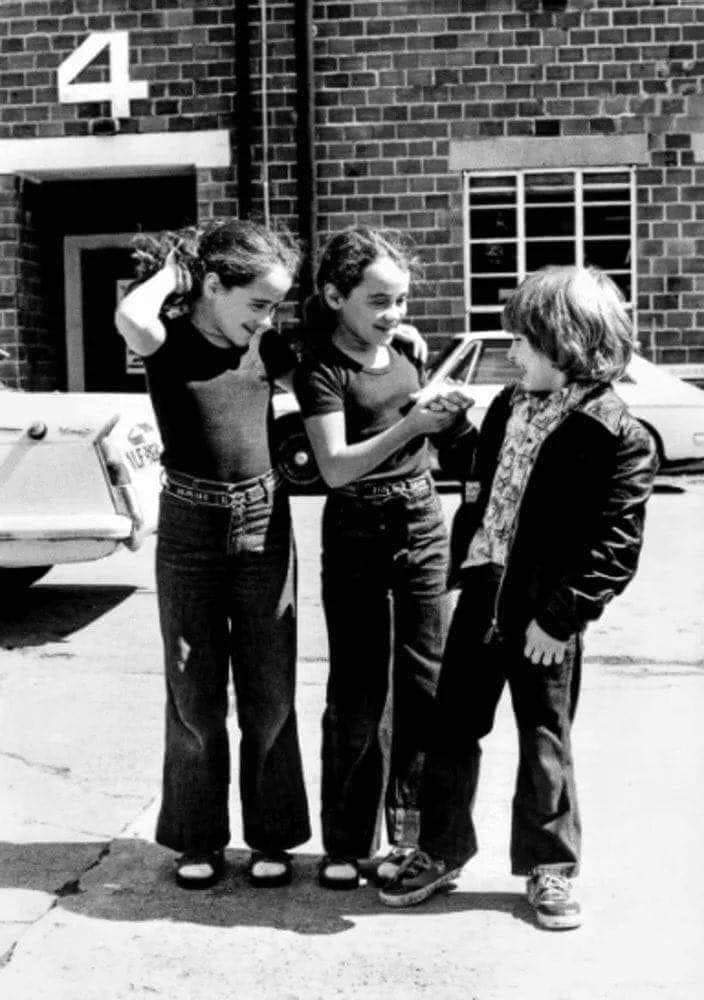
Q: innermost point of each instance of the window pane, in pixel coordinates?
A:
(492, 191)
(493, 364)
(621, 178)
(479, 321)
(607, 193)
(608, 254)
(544, 188)
(491, 291)
(605, 220)
(551, 252)
(624, 283)
(492, 198)
(495, 222)
(550, 221)
(490, 258)
(481, 183)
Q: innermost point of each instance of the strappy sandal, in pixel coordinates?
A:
(338, 873)
(200, 870)
(269, 871)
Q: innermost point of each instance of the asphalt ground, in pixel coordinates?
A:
(88, 906)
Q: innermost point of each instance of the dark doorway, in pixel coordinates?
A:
(99, 215)
(108, 366)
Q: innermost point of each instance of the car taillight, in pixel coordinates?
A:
(121, 481)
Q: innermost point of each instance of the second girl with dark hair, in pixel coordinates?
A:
(384, 546)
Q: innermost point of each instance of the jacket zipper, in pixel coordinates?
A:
(493, 631)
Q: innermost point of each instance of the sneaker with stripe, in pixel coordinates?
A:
(418, 878)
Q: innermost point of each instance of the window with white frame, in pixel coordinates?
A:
(516, 222)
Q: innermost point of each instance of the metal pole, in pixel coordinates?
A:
(265, 115)
(244, 104)
(305, 141)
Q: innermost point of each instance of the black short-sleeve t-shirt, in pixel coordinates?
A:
(213, 404)
(372, 400)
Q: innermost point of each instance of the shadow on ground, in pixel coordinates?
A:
(132, 881)
(38, 615)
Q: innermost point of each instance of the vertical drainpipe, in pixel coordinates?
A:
(244, 105)
(264, 63)
(305, 140)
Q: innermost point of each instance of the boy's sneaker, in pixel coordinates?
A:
(388, 866)
(418, 877)
(549, 892)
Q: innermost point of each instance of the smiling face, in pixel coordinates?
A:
(537, 373)
(369, 315)
(231, 316)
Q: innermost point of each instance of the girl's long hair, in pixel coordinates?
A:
(237, 250)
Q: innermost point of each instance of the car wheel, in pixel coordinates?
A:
(294, 457)
(21, 576)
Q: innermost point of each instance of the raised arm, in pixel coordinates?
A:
(137, 316)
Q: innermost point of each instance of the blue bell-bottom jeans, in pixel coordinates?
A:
(226, 586)
(545, 826)
(386, 606)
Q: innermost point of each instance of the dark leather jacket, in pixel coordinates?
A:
(579, 528)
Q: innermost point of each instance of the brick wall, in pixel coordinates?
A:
(9, 266)
(396, 83)
(30, 353)
(39, 355)
(184, 51)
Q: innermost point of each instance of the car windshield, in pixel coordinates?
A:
(444, 353)
(493, 365)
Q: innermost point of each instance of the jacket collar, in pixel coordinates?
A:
(604, 406)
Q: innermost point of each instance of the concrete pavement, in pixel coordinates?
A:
(88, 908)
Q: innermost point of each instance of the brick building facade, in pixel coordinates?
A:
(503, 134)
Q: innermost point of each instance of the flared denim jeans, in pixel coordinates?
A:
(545, 821)
(386, 606)
(226, 585)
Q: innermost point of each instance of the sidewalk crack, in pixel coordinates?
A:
(61, 772)
(73, 886)
(6, 957)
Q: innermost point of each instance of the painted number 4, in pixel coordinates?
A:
(118, 89)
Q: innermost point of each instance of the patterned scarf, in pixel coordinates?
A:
(533, 417)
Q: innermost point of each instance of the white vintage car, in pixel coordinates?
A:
(79, 477)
